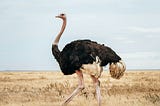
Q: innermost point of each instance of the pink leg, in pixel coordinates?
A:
(77, 90)
(97, 84)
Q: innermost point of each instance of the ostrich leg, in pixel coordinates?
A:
(97, 84)
(77, 90)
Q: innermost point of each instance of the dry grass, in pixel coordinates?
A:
(135, 88)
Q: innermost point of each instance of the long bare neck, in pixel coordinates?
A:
(56, 41)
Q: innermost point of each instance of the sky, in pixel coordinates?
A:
(28, 27)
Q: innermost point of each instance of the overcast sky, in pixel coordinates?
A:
(28, 27)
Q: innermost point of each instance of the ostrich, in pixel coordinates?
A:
(86, 56)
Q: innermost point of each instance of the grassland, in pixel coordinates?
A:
(135, 88)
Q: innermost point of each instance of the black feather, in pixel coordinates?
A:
(81, 52)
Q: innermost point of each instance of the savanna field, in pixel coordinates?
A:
(135, 88)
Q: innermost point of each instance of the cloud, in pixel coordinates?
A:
(142, 60)
(142, 55)
(145, 30)
(124, 39)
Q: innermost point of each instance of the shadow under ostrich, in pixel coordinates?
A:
(86, 56)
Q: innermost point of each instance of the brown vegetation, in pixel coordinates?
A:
(135, 88)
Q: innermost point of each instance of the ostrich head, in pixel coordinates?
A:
(62, 16)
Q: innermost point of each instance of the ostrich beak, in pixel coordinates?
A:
(57, 16)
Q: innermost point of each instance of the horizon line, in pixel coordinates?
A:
(23, 70)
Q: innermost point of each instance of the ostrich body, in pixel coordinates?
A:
(84, 56)
(81, 52)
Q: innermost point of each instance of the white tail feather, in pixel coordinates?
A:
(117, 69)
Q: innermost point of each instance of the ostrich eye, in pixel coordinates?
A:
(62, 14)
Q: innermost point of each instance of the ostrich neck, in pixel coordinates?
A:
(56, 41)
